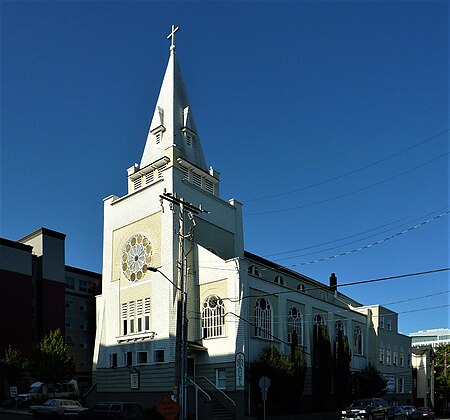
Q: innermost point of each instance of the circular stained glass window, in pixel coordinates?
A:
(136, 257)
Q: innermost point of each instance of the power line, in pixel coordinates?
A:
(350, 172)
(362, 248)
(350, 192)
(351, 236)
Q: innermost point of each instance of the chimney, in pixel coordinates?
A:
(333, 282)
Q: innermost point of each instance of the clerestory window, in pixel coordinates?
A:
(213, 317)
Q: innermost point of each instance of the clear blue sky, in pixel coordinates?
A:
(328, 120)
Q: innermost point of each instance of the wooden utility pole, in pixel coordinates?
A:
(181, 299)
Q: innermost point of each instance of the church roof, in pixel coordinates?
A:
(173, 122)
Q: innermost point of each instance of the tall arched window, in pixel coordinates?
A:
(279, 280)
(213, 320)
(295, 324)
(254, 271)
(339, 327)
(357, 341)
(318, 320)
(263, 319)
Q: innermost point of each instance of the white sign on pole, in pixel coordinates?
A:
(13, 391)
(240, 372)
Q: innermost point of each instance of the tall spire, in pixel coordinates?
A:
(173, 123)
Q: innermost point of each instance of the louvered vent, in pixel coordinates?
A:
(149, 177)
(209, 186)
(197, 179)
(137, 183)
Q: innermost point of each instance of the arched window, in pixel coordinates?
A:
(263, 319)
(295, 324)
(279, 280)
(318, 320)
(254, 271)
(213, 320)
(339, 327)
(357, 341)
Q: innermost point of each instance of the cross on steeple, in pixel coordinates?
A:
(171, 36)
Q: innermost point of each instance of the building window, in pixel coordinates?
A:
(221, 378)
(339, 328)
(70, 283)
(318, 320)
(381, 356)
(279, 280)
(113, 360)
(131, 315)
(395, 358)
(127, 358)
(69, 341)
(83, 324)
(147, 314)
(69, 322)
(139, 315)
(213, 320)
(158, 356)
(142, 357)
(295, 324)
(197, 179)
(402, 358)
(70, 301)
(149, 177)
(83, 342)
(83, 286)
(381, 321)
(124, 318)
(357, 341)
(254, 271)
(400, 385)
(409, 359)
(388, 356)
(137, 183)
(389, 324)
(263, 319)
(83, 304)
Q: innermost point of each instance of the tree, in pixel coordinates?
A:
(369, 382)
(442, 375)
(321, 368)
(342, 358)
(12, 365)
(52, 362)
(286, 379)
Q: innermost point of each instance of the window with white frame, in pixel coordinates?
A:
(339, 327)
(381, 321)
(263, 319)
(381, 356)
(357, 341)
(295, 324)
(139, 314)
(221, 378)
(318, 320)
(279, 280)
(131, 316)
(147, 314)
(141, 357)
(124, 318)
(388, 356)
(213, 320)
(254, 271)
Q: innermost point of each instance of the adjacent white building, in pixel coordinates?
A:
(237, 303)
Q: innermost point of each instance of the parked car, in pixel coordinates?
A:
(113, 411)
(57, 408)
(369, 408)
(408, 409)
(423, 413)
(397, 413)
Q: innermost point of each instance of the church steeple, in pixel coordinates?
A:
(173, 123)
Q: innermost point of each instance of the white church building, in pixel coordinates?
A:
(182, 302)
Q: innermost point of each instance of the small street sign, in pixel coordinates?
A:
(13, 391)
